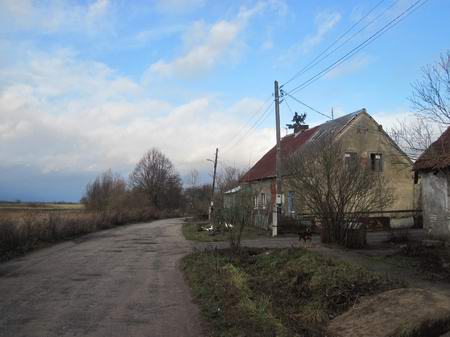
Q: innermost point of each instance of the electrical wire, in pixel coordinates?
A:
(261, 119)
(317, 59)
(306, 105)
(249, 120)
(373, 37)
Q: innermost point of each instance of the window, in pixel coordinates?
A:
(263, 200)
(255, 199)
(350, 159)
(376, 162)
(291, 202)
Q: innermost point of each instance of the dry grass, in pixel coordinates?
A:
(21, 231)
(13, 207)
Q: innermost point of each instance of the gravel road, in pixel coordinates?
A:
(122, 282)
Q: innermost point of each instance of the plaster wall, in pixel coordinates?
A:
(435, 202)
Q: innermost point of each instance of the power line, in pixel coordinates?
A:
(249, 120)
(316, 59)
(261, 119)
(304, 104)
(285, 101)
(366, 42)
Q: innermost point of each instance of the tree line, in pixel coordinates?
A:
(155, 184)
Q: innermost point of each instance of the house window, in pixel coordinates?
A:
(350, 159)
(376, 162)
(291, 202)
(263, 200)
(255, 199)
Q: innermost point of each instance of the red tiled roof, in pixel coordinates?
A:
(265, 167)
(437, 156)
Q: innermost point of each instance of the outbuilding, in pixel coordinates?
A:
(432, 168)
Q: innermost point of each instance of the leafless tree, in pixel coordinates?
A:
(415, 134)
(227, 179)
(338, 192)
(104, 192)
(431, 101)
(239, 215)
(155, 176)
(431, 94)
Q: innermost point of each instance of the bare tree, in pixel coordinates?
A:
(338, 192)
(414, 135)
(239, 215)
(431, 100)
(431, 94)
(104, 192)
(155, 176)
(227, 179)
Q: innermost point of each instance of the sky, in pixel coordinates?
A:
(87, 86)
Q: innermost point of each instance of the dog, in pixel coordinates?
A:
(305, 235)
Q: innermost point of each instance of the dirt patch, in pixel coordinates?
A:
(396, 313)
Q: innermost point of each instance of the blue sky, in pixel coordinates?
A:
(91, 85)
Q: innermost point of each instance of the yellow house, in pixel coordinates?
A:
(363, 138)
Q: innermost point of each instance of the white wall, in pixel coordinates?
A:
(435, 203)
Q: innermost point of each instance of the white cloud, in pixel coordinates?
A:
(206, 46)
(324, 23)
(66, 115)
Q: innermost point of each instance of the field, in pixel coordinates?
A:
(18, 207)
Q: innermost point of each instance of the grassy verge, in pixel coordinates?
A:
(192, 231)
(21, 232)
(283, 292)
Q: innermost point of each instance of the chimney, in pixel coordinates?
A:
(300, 128)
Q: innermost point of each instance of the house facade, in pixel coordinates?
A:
(432, 170)
(363, 139)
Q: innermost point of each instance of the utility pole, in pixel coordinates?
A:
(332, 113)
(278, 199)
(211, 208)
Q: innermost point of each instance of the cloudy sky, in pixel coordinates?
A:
(91, 85)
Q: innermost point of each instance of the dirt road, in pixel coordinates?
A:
(121, 282)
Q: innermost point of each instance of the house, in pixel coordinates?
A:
(364, 139)
(433, 170)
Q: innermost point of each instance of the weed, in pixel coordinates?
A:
(280, 292)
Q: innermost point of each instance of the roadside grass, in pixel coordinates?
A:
(192, 231)
(433, 263)
(23, 231)
(277, 292)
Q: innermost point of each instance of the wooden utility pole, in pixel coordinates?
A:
(211, 208)
(278, 199)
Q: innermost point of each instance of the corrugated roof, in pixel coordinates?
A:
(265, 167)
(437, 156)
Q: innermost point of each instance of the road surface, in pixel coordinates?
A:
(123, 282)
